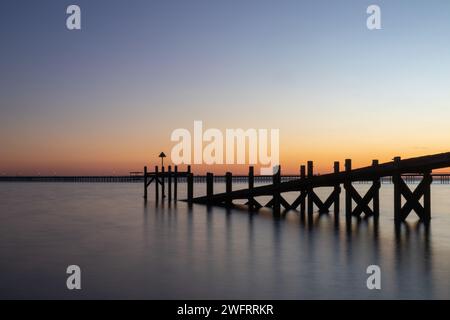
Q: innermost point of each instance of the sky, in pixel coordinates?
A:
(105, 99)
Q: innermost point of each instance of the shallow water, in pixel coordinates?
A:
(127, 249)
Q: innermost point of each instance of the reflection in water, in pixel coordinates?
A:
(413, 251)
(131, 249)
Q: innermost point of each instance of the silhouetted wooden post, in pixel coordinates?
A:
(190, 187)
(209, 185)
(376, 195)
(145, 182)
(337, 190)
(276, 178)
(169, 182)
(397, 191)
(427, 196)
(228, 187)
(163, 186)
(303, 200)
(189, 168)
(156, 184)
(251, 184)
(347, 186)
(175, 184)
(310, 173)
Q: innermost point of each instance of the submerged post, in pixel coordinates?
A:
(427, 196)
(163, 187)
(156, 184)
(228, 187)
(397, 191)
(190, 187)
(337, 190)
(310, 173)
(169, 182)
(209, 185)
(347, 186)
(376, 195)
(145, 182)
(276, 190)
(175, 184)
(251, 184)
(303, 200)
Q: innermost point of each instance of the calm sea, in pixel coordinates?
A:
(128, 249)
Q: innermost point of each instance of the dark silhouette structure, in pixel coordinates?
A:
(399, 172)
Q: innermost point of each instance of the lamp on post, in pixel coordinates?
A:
(162, 156)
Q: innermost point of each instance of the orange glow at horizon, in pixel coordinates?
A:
(119, 157)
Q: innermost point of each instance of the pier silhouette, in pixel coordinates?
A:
(399, 172)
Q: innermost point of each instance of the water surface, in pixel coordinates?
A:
(129, 249)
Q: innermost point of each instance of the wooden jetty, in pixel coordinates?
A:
(399, 172)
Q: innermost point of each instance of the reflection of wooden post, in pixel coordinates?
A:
(251, 184)
(337, 190)
(209, 186)
(303, 200)
(228, 187)
(145, 182)
(169, 182)
(427, 196)
(310, 198)
(276, 191)
(190, 187)
(376, 195)
(397, 191)
(175, 184)
(347, 186)
(156, 184)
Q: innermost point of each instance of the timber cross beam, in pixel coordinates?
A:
(362, 203)
(412, 198)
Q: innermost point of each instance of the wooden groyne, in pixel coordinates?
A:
(399, 172)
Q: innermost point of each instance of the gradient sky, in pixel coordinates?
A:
(104, 100)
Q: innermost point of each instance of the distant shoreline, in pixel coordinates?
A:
(442, 178)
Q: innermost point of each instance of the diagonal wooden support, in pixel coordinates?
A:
(150, 181)
(412, 198)
(314, 199)
(284, 203)
(276, 180)
(317, 201)
(269, 204)
(301, 199)
(362, 202)
(253, 205)
(332, 199)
